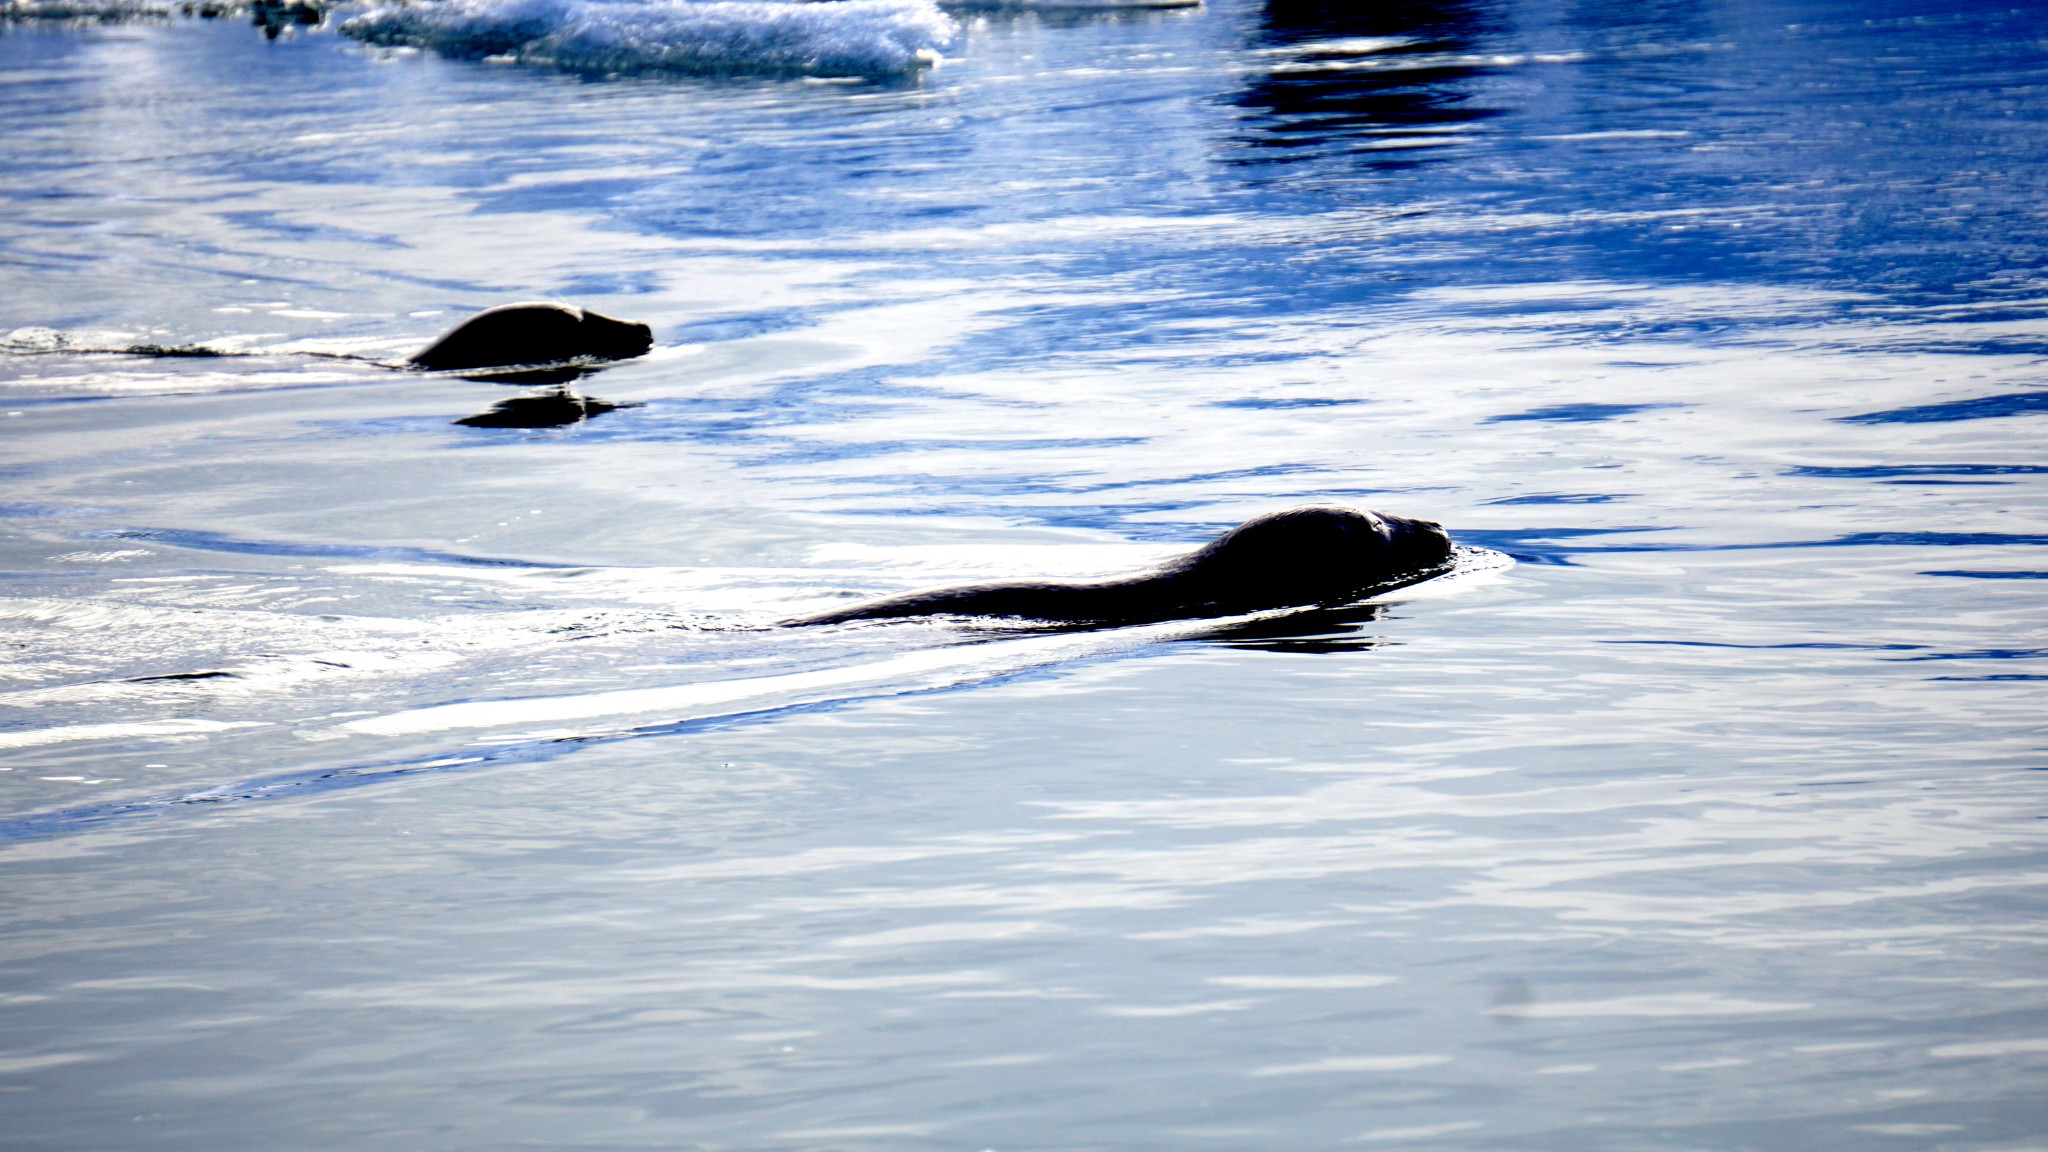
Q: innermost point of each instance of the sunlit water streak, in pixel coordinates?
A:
(390, 782)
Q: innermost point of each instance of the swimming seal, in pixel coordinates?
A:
(518, 334)
(1296, 559)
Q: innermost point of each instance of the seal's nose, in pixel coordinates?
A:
(1439, 541)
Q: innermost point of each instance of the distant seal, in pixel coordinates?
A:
(518, 334)
(1315, 556)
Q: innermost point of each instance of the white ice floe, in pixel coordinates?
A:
(87, 9)
(802, 37)
(840, 37)
(276, 13)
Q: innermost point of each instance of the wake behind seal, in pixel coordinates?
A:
(1301, 558)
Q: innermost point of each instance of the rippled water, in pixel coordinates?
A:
(370, 780)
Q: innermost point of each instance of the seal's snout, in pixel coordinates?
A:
(617, 339)
(1434, 540)
(1417, 544)
(1440, 543)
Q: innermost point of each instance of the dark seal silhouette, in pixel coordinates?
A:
(1306, 557)
(514, 335)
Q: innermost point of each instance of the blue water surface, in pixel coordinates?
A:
(373, 781)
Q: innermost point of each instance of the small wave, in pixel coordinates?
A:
(1976, 408)
(37, 341)
(217, 542)
(840, 37)
(1344, 46)
(32, 737)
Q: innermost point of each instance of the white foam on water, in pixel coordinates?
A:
(921, 670)
(29, 738)
(843, 37)
(86, 9)
(1345, 46)
(924, 670)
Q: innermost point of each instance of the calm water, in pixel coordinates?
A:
(371, 781)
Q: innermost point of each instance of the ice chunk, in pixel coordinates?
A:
(274, 15)
(85, 9)
(834, 37)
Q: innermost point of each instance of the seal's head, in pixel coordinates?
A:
(534, 333)
(1315, 555)
(609, 339)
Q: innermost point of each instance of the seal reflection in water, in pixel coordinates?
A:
(1301, 558)
(543, 410)
(515, 335)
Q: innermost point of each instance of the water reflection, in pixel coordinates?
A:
(1321, 630)
(1386, 82)
(542, 410)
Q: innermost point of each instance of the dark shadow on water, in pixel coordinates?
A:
(567, 372)
(1302, 630)
(1317, 630)
(1433, 21)
(543, 410)
(1387, 83)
